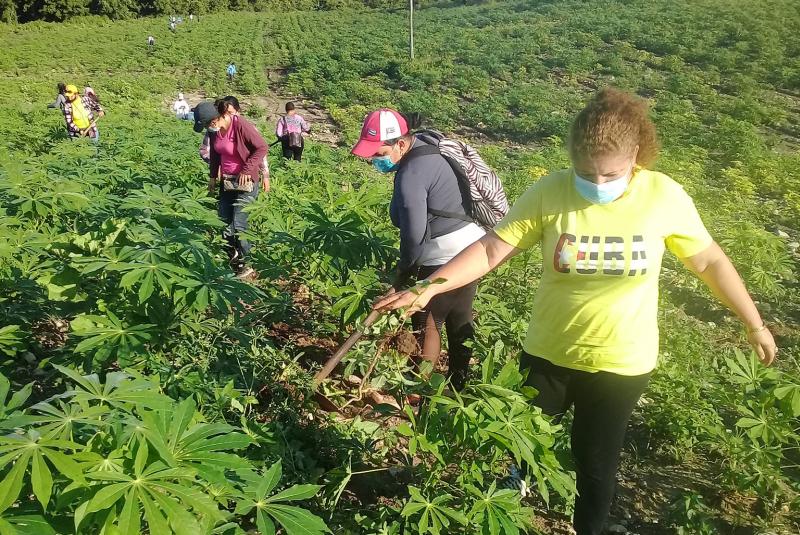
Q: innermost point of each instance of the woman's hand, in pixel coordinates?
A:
(265, 182)
(212, 185)
(245, 180)
(413, 300)
(715, 269)
(763, 344)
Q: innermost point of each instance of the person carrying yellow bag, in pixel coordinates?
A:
(79, 114)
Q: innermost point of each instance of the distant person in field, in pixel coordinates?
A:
(236, 151)
(603, 225)
(151, 41)
(231, 71)
(181, 108)
(191, 17)
(205, 148)
(290, 130)
(60, 98)
(80, 114)
(425, 183)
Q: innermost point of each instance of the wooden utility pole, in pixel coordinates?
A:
(411, 27)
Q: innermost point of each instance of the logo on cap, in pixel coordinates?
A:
(372, 132)
(390, 130)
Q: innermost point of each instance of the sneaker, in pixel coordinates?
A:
(515, 481)
(246, 272)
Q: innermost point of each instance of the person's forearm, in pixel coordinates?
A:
(253, 163)
(404, 270)
(214, 160)
(469, 265)
(401, 277)
(725, 283)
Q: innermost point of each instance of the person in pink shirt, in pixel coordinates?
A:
(290, 130)
(205, 149)
(236, 152)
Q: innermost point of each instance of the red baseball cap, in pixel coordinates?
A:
(379, 126)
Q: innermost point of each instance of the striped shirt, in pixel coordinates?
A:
(91, 106)
(291, 124)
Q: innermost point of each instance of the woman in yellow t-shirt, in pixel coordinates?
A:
(593, 339)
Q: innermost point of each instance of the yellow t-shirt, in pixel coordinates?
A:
(596, 306)
(80, 115)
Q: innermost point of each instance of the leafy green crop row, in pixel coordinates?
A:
(110, 258)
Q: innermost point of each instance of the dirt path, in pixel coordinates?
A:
(271, 107)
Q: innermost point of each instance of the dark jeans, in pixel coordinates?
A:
(291, 152)
(603, 404)
(231, 211)
(452, 309)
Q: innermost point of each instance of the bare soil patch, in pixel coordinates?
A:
(271, 106)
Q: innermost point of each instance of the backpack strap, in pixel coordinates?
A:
(425, 150)
(451, 215)
(422, 150)
(432, 137)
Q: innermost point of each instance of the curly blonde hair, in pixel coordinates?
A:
(614, 122)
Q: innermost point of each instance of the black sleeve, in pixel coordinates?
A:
(412, 214)
(213, 156)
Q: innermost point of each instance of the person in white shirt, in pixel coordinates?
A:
(181, 107)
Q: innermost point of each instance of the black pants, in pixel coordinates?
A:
(452, 309)
(291, 152)
(603, 404)
(231, 210)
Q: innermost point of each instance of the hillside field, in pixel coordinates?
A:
(145, 389)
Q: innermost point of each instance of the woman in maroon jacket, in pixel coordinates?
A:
(236, 152)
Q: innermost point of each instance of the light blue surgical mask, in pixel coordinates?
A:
(602, 193)
(211, 129)
(384, 164)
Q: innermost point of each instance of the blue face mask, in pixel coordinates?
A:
(384, 164)
(601, 193)
(212, 129)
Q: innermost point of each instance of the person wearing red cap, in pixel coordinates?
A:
(424, 186)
